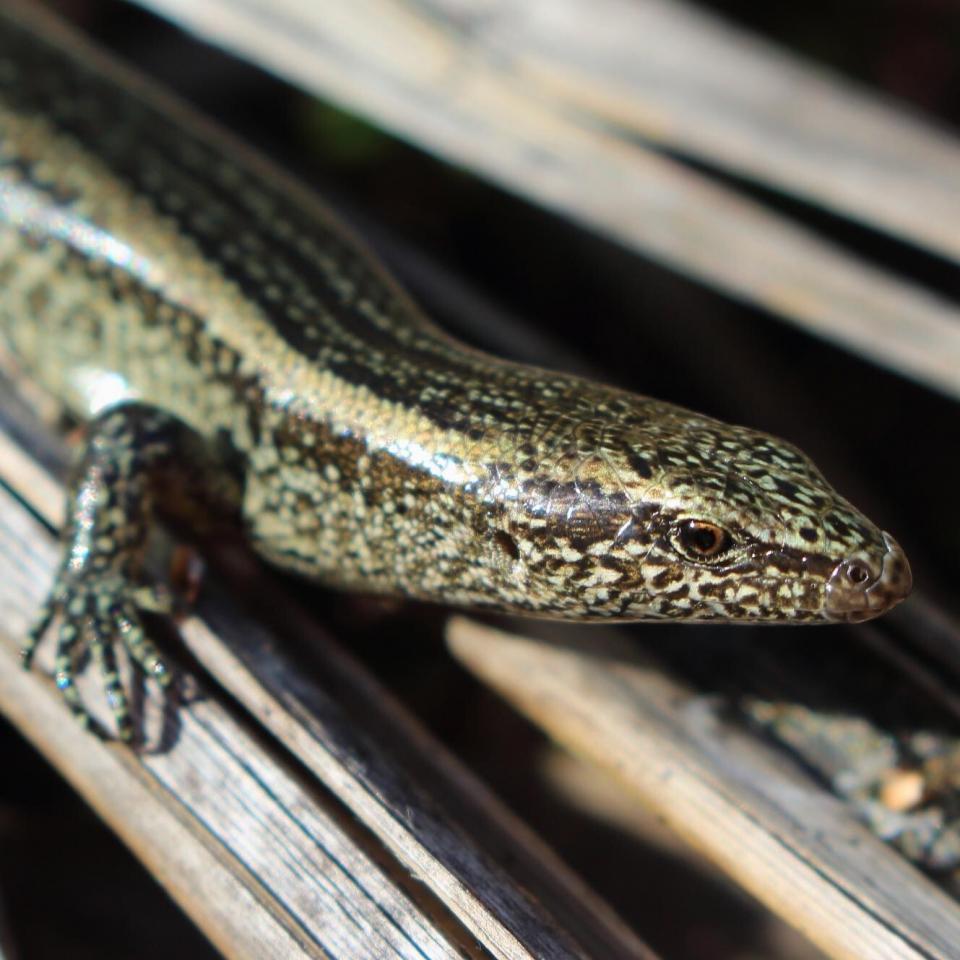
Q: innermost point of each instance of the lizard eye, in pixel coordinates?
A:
(701, 540)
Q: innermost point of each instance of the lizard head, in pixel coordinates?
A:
(747, 528)
(685, 518)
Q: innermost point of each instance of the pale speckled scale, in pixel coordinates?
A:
(145, 255)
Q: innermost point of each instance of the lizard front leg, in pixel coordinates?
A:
(139, 462)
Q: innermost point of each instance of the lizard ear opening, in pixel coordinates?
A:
(507, 544)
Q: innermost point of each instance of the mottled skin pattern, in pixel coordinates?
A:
(151, 267)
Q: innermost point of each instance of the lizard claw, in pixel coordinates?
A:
(96, 613)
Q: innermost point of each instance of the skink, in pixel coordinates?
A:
(236, 354)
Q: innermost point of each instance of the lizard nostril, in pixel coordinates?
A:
(856, 592)
(857, 573)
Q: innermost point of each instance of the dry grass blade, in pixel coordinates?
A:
(416, 71)
(257, 861)
(672, 74)
(776, 833)
(360, 768)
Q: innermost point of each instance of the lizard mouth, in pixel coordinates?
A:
(856, 593)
